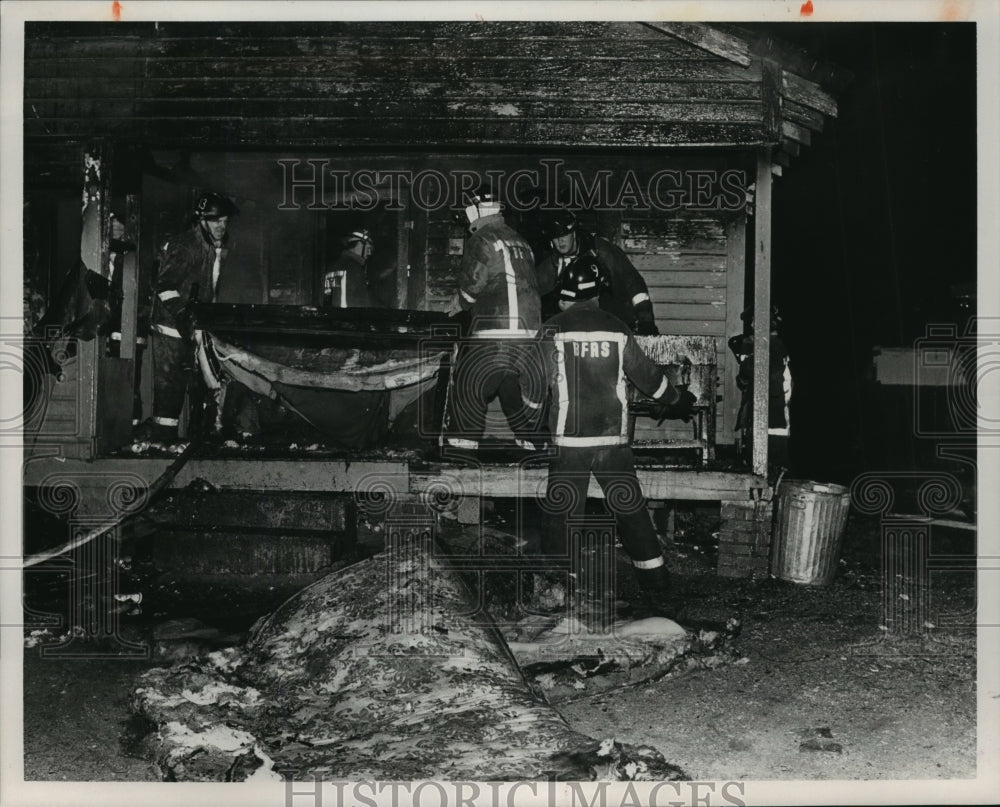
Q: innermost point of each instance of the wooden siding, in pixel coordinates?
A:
(380, 85)
(683, 257)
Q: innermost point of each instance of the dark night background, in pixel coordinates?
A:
(872, 226)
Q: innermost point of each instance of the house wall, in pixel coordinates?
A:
(413, 95)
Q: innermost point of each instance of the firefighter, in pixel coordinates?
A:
(625, 293)
(345, 284)
(498, 290)
(589, 355)
(195, 258)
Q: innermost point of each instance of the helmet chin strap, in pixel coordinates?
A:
(206, 233)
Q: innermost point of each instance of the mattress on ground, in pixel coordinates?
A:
(384, 670)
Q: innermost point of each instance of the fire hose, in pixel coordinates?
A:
(159, 485)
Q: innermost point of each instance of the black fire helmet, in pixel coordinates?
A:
(583, 279)
(559, 223)
(211, 206)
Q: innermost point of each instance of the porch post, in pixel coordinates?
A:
(762, 309)
(130, 280)
(403, 225)
(94, 254)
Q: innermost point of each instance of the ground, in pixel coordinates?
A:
(826, 685)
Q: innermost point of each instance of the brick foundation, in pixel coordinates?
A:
(745, 539)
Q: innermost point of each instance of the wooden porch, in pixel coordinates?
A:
(407, 477)
(708, 114)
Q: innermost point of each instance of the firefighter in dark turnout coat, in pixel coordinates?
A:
(590, 355)
(197, 256)
(499, 290)
(624, 293)
(345, 284)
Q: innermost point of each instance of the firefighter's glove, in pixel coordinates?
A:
(681, 409)
(647, 329)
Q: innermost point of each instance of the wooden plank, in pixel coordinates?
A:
(690, 239)
(807, 93)
(803, 115)
(678, 263)
(354, 476)
(797, 133)
(162, 34)
(462, 68)
(414, 108)
(762, 309)
(682, 243)
(301, 475)
(657, 482)
(304, 475)
(708, 39)
(679, 277)
(663, 300)
(735, 303)
(130, 280)
(357, 48)
(650, 88)
(771, 97)
(128, 70)
(690, 327)
(685, 223)
(403, 252)
(688, 311)
(39, 470)
(375, 131)
(48, 48)
(100, 107)
(684, 294)
(675, 235)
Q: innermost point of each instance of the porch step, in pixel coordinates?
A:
(249, 533)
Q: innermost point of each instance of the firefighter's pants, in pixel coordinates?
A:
(494, 368)
(566, 496)
(170, 377)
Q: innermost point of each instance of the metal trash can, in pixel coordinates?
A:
(810, 521)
